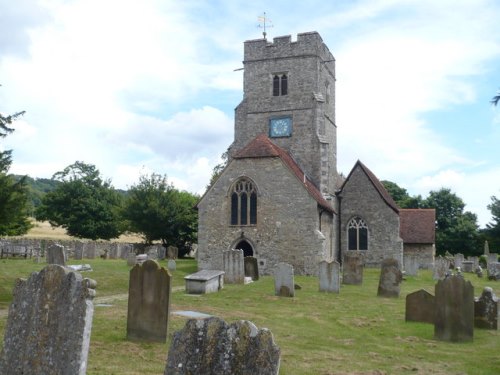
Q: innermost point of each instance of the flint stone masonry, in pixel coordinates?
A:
(454, 314)
(211, 346)
(49, 324)
(390, 279)
(56, 255)
(234, 266)
(420, 307)
(284, 285)
(486, 309)
(251, 268)
(352, 268)
(204, 281)
(329, 277)
(148, 302)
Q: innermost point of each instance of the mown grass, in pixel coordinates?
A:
(354, 332)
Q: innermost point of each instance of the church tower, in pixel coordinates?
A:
(289, 95)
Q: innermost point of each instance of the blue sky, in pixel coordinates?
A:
(147, 86)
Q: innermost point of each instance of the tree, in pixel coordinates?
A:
(492, 231)
(216, 172)
(496, 98)
(83, 203)
(401, 196)
(456, 230)
(158, 211)
(14, 206)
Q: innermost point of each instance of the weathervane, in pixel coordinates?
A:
(264, 23)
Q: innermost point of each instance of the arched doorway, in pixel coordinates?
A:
(246, 247)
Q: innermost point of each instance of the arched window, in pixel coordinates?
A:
(357, 234)
(244, 203)
(280, 84)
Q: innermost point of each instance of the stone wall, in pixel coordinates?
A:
(424, 253)
(287, 228)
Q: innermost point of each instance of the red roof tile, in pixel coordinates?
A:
(263, 147)
(417, 225)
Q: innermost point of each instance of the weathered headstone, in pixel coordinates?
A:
(234, 266)
(131, 259)
(492, 258)
(454, 317)
(329, 277)
(78, 250)
(284, 285)
(251, 268)
(148, 302)
(390, 279)
(171, 265)
(411, 265)
(89, 250)
(420, 306)
(493, 271)
(458, 259)
(211, 346)
(172, 252)
(352, 269)
(486, 310)
(49, 323)
(441, 267)
(162, 252)
(56, 255)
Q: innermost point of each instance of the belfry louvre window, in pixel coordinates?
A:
(244, 203)
(280, 84)
(357, 234)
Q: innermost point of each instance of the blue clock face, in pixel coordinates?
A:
(280, 127)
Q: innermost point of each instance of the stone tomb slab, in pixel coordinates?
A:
(420, 307)
(205, 281)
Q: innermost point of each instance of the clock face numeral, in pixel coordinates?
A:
(280, 127)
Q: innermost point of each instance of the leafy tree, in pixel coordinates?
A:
(160, 212)
(401, 196)
(492, 230)
(496, 98)
(216, 172)
(83, 203)
(456, 230)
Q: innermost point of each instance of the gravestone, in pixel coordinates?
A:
(56, 255)
(78, 250)
(284, 285)
(49, 323)
(329, 277)
(148, 302)
(172, 252)
(390, 279)
(352, 269)
(211, 346)
(486, 248)
(467, 266)
(486, 309)
(113, 251)
(454, 314)
(493, 271)
(171, 265)
(441, 268)
(458, 259)
(162, 252)
(420, 307)
(234, 267)
(492, 258)
(131, 259)
(89, 250)
(251, 267)
(411, 265)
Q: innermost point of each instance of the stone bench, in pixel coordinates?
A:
(205, 281)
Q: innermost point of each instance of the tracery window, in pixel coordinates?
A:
(280, 84)
(244, 203)
(357, 234)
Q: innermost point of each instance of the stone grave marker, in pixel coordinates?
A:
(204, 281)
(441, 268)
(162, 252)
(467, 266)
(329, 277)
(390, 279)
(454, 314)
(172, 252)
(284, 285)
(89, 250)
(493, 271)
(234, 266)
(458, 259)
(131, 259)
(486, 310)
(49, 324)
(492, 258)
(148, 302)
(56, 255)
(251, 268)
(171, 265)
(352, 269)
(411, 265)
(420, 307)
(78, 250)
(211, 346)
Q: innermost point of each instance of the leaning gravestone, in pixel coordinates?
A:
(486, 309)
(211, 346)
(234, 266)
(284, 285)
(420, 307)
(251, 268)
(148, 302)
(353, 269)
(454, 318)
(390, 279)
(49, 324)
(329, 277)
(56, 255)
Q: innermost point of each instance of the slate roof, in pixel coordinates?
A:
(417, 225)
(384, 194)
(263, 147)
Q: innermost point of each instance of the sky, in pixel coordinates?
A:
(150, 86)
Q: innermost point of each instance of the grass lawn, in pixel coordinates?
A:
(354, 332)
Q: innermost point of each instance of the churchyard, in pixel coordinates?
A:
(352, 332)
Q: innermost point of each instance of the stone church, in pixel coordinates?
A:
(280, 197)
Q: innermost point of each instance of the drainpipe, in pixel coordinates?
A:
(339, 197)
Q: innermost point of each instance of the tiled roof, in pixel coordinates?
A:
(262, 147)
(417, 225)
(384, 194)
